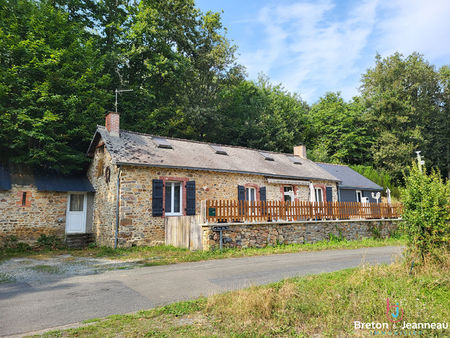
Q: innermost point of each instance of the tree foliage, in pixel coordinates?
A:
(380, 177)
(50, 86)
(337, 131)
(61, 60)
(426, 199)
(406, 110)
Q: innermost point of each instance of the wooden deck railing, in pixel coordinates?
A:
(228, 211)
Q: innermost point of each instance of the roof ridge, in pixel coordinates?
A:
(203, 142)
(341, 165)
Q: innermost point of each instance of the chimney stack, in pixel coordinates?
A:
(112, 123)
(300, 151)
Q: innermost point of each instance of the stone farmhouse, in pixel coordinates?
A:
(136, 182)
(155, 178)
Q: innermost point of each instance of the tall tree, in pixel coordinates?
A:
(261, 115)
(338, 133)
(402, 96)
(49, 99)
(177, 61)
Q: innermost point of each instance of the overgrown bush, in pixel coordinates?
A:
(426, 199)
(49, 242)
(12, 244)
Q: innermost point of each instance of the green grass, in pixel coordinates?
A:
(325, 305)
(163, 254)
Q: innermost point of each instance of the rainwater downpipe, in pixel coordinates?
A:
(116, 237)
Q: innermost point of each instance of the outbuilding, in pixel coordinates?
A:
(353, 187)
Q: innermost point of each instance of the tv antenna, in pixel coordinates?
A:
(118, 91)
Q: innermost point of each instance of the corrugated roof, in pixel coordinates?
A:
(63, 183)
(139, 149)
(350, 178)
(5, 178)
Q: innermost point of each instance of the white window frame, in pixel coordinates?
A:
(359, 192)
(316, 194)
(289, 193)
(248, 194)
(172, 199)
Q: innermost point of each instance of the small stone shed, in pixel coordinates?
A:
(141, 180)
(35, 203)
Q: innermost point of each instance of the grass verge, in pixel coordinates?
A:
(323, 305)
(163, 254)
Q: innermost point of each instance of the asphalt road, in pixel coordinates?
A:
(26, 308)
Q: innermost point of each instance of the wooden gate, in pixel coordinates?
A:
(184, 232)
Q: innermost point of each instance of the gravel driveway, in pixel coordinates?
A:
(41, 271)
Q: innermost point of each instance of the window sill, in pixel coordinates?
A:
(170, 215)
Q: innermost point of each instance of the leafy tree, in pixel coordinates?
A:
(49, 99)
(337, 131)
(62, 59)
(402, 96)
(261, 115)
(178, 59)
(426, 200)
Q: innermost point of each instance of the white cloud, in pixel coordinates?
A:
(303, 50)
(313, 47)
(415, 25)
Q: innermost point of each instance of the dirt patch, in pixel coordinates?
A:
(39, 271)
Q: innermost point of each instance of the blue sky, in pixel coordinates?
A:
(312, 47)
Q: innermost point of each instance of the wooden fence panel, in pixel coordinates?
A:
(220, 211)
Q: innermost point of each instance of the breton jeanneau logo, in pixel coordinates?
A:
(394, 312)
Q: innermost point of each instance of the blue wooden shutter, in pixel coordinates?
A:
(190, 198)
(262, 194)
(157, 198)
(241, 193)
(329, 194)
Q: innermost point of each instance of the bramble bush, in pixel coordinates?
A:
(426, 212)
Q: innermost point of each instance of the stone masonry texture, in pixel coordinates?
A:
(137, 225)
(43, 213)
(262, 235)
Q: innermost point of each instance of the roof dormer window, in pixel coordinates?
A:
(218, 149)
(162, 142)
(295, 159)
(267, 156)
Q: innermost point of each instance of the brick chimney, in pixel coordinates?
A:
(300, 151)
(112, 123)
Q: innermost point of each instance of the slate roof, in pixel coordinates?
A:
(350, 179)
(63, 183)
(22, 175)
(133, 148)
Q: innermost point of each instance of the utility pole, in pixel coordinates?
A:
(420, 162)
(118, 91)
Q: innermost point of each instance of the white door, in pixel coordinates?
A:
(76, 213)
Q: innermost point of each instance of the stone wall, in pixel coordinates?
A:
(43, 213)
(137, 225)
(104, 209)
(242, 235)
